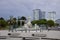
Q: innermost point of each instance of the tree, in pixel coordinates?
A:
(1, 18)
(39, 22)
(50, 23)
(34, 22)
(14, 20)
(43, 21)
(23, 18)
(56, 24)
(3, 23)
(14, 23)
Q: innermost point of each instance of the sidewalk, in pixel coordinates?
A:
(51, 34)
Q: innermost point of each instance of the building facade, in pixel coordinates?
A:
(58, 21)
(51, 15)
(38, 14)
(43, 14)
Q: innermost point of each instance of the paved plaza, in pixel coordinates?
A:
(49, 34)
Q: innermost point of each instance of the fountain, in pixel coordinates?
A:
(28, 24)
(36, 26)
(25, 26)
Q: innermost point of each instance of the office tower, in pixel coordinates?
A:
(43, 14)
(38, 14)
(52, 15)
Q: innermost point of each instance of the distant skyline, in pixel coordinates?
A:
(26, 7)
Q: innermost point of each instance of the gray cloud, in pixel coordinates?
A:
(25, 7)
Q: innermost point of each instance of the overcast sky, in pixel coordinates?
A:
(25, 7)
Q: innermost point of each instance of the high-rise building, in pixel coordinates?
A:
(38, 14)
(43, 14)
(52, 15)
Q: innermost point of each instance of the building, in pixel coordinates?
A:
(58, 21)
(52, 15)
(38, 14)
(43, 14)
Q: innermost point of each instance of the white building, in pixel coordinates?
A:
(38, 14)
(52, 15)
